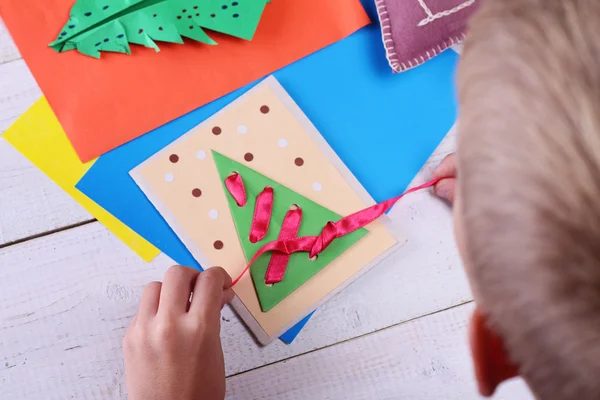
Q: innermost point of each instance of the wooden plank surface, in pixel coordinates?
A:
(423, 359)
(8, 50)
(71, 296)
(30, 203)
(19, 91)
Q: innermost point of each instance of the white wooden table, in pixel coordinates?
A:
(68, 289)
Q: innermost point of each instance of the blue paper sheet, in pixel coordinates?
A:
(383, 126)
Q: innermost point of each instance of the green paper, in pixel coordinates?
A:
(237, 18)
(110, 25)
(314, 217)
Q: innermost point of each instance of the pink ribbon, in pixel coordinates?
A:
(262, 215)
(235, 186)
(279, 261)
(332, 230)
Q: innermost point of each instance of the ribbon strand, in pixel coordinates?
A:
(332, 230)
(263, 209)
(235, 186)
(279, 262)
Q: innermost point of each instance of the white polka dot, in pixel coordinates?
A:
(213, 214)
(201, 155)
(169, 177)
(283, 143)
(242, 129)
(317, 187)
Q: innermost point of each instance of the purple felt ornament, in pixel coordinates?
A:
(415, 31)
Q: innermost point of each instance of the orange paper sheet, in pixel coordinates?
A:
(104, 103)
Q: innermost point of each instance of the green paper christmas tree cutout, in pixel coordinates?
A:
(300, 268)
(110, 25)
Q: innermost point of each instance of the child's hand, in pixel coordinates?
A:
(446, 187)
(172, 347)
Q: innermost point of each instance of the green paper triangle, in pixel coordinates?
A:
(300, 269)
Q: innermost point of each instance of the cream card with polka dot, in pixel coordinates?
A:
(265, 131)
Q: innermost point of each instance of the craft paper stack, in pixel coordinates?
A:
(382, 126)
(104, 103)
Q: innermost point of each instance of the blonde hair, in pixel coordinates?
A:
(529, 185)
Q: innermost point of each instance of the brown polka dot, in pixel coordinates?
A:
(216, 130)
(173, 158)
(248, 157)
(264, 109)
(218, 245)
(196, 192)
(299, 161)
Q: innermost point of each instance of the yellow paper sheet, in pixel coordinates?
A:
(38, 135)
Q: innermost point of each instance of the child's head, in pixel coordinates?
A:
(528, 212)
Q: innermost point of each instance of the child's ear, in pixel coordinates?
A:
(491, 362)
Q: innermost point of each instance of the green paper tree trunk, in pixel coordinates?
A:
(300, 268)
(110, 25)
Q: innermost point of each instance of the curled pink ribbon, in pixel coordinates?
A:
(279, 261)
(263, 209)
(235, 186)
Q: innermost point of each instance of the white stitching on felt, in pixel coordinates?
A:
(431, 17)
(387, 38)
(425, 8)
(388, 43)
(430, 53)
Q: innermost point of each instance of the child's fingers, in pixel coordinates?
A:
(228, 295)
(446, 189)
(447, 168)
(209, 293)
(150, 300)
(176, 289)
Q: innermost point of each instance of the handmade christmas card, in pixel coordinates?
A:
(258, 174)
